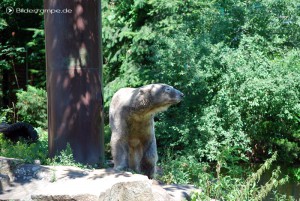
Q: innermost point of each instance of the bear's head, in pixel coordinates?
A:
(155, 98)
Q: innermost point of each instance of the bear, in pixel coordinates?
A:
(20, 130)
(131, 120)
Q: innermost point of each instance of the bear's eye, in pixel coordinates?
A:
(168, 89)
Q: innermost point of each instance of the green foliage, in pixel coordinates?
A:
(5, 115)
(280, 197)
(295, 173)
(32, 106)
(16, 53)
(36, 57)
(66, 158)
(181, 170)
(237, 62)
(37, 151)
(25, 151)
(220, 186)
(22, 49)
(259, 194)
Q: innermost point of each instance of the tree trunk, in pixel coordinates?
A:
(74, 78)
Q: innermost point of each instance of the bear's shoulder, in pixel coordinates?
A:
(123, 97)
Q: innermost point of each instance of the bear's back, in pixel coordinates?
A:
(122, 98)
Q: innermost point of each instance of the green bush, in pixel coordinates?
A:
(219, 184)
(32, 106)
(65, 158)
(237, 62)
(28, 152)
(37, 151)
(295, 173)
(6, 115)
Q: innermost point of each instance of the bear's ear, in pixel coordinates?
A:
(141, 91)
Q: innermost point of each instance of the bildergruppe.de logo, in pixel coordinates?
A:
(10, 10)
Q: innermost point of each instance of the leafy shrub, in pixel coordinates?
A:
(37, 151)
(65, 158)
(181, 170)
(217, 185)
(295, 173)
(236, 62)
(5, 115)
(25, 151)
(32, 106)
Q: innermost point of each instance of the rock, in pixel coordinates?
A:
(4, 182)
(19, 180)
(126, 191)
(104, 184)
(48, 183)
(180, 192)
(6, 171)
(161, 194)
(7, 165)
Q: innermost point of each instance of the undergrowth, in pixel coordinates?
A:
(66, 158)
(28, 152)
(218, 180)
(223, 186)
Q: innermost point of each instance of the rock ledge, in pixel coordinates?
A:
(19, 181)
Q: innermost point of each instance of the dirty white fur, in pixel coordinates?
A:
(131, 117)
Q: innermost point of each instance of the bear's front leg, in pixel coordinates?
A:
(148, 163)
(119, 150)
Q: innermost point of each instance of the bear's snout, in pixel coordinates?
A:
(179, 94)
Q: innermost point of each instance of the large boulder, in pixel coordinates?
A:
(21, 181)
(18, 180)
(105, 184)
